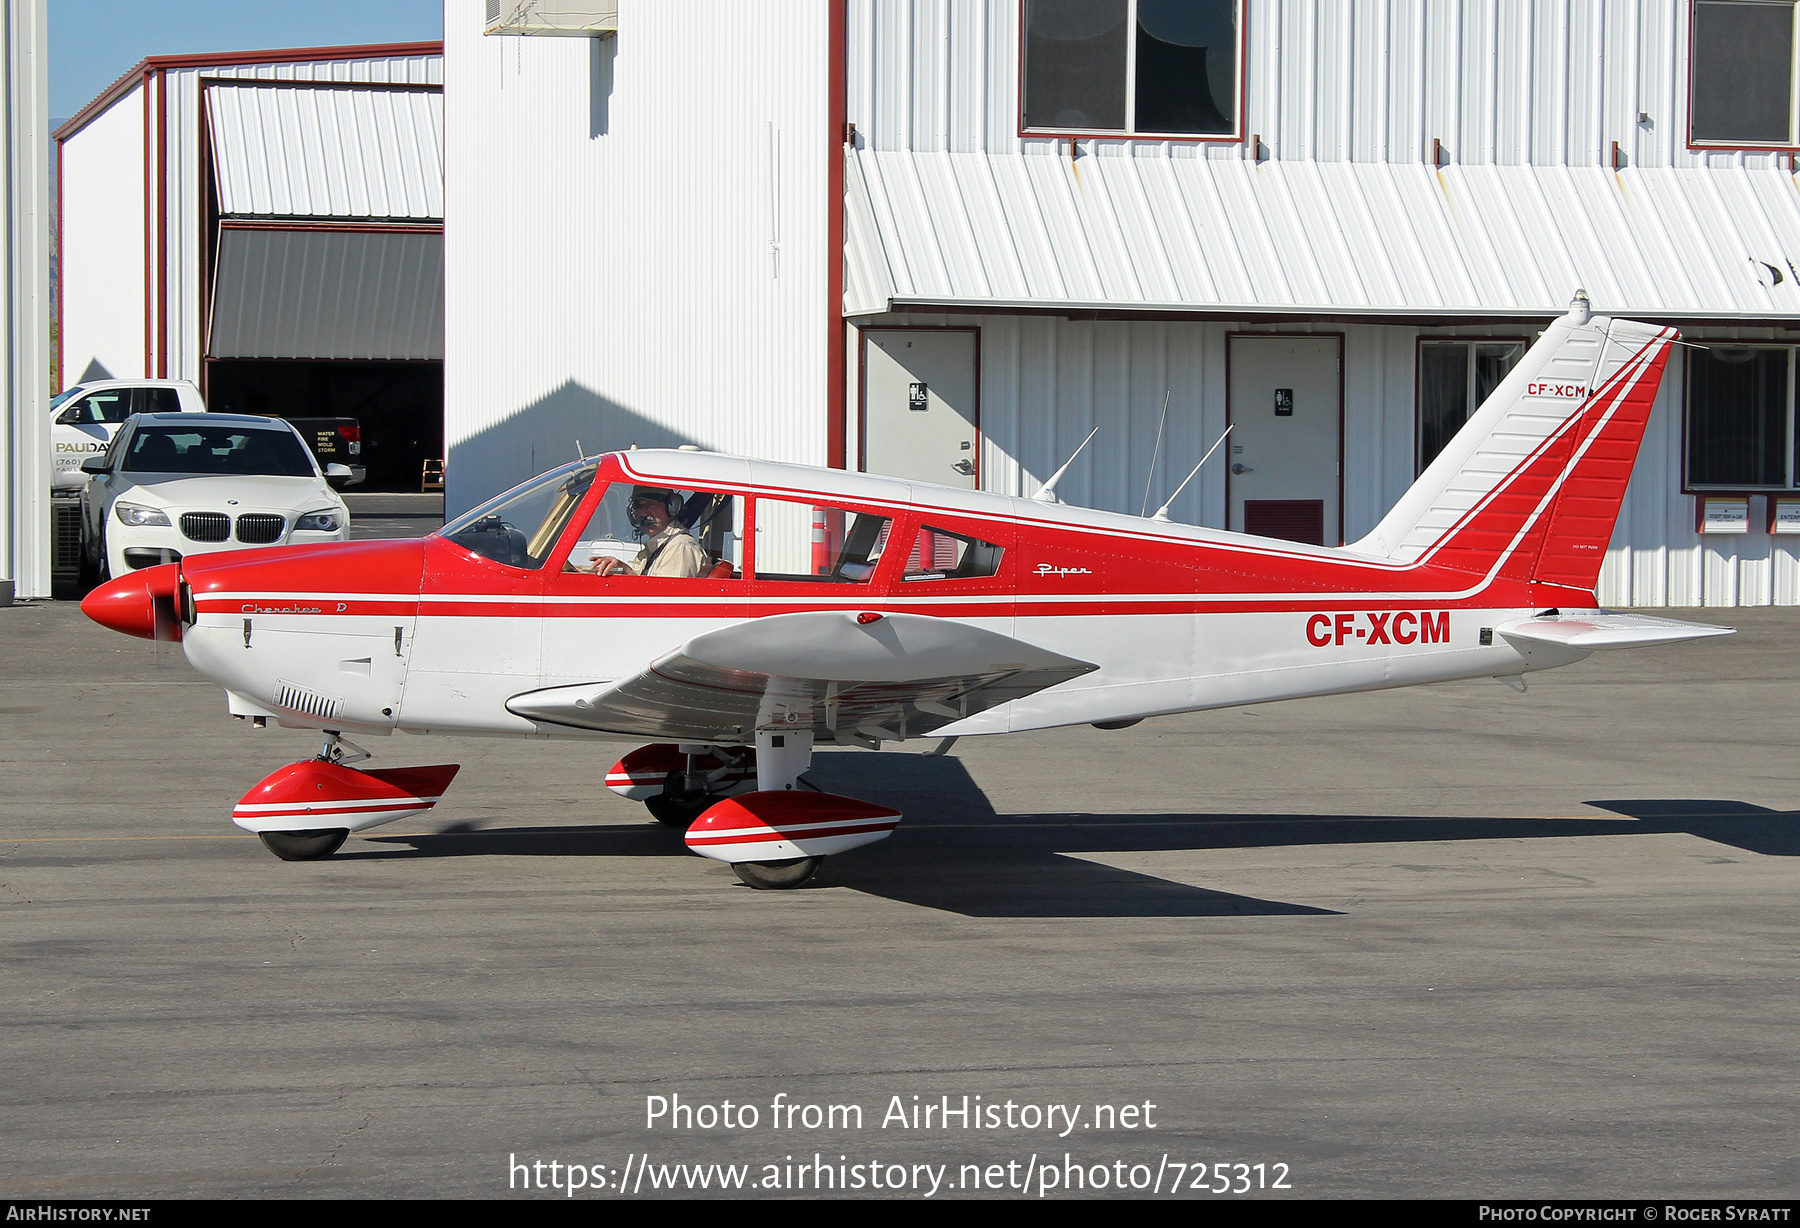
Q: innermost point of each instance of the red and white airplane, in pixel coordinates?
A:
(848, 609)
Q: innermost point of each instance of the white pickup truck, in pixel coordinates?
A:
(85, 417)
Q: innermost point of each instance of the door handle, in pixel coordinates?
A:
(966, 468)
(1241, 467)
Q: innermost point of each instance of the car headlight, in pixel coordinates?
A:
(139, 517)
(318, 522)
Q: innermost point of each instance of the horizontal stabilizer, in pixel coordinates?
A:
(849, 678)
(1595, 629)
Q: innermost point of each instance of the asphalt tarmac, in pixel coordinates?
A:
(1448, 941)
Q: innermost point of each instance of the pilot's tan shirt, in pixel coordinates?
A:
(676, 554)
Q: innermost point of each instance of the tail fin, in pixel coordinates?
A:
(1530, 488)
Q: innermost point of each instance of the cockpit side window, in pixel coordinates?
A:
(521, 527)
(661, 533)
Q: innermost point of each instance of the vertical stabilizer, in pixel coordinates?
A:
(1532, 484)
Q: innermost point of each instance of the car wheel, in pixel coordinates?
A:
(87, 571)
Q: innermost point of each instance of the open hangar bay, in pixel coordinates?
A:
(1452, 941)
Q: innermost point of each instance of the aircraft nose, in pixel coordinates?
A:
(144, 603)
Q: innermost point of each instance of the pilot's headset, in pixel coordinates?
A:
(668, 498)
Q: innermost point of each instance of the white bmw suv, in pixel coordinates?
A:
(171, 485)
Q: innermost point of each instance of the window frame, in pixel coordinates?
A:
(1792, 144)
(1688, 487)
(1419, 344)
(1235, 137)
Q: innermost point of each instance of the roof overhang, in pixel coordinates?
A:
(1119, 234)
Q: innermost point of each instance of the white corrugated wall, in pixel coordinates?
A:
(635, 238)
(102, 253)
(1046, 381)
(1550, 82)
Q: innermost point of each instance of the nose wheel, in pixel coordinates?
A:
(777, 875)
(304, 845)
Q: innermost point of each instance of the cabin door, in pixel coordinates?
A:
(1285, 403)
(920, 412)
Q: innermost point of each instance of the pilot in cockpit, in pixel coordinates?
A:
(669, 549)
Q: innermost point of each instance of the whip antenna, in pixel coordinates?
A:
(1047, 492)
(1151, 476)
(1162, 513)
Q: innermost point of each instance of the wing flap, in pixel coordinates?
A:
(1596, 629)
(895, 677)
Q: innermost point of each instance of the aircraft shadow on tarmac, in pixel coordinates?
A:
(954, 852)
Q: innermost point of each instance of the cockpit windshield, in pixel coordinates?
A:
(522, 526)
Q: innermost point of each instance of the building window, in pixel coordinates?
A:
(1742, 73)
(1740, 418)
(1133, 67)
(1455, 377)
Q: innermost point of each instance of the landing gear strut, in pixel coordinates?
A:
(706, 775)
(678, 805)
(320, 842)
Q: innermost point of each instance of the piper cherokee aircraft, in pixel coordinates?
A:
(848, 609)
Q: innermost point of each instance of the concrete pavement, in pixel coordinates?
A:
(1443, 941)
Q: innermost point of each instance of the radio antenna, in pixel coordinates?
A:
(580, 452)
(1162, 513)
(1047, 492)
(1150, 477)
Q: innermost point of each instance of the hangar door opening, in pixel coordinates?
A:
(331, 321)
(399, 405)
(1285, 401)
(921, 414)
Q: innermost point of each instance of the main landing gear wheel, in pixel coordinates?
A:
(304, 845)
(676, 806)
(777, 875)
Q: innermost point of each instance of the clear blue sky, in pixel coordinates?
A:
(93, 41)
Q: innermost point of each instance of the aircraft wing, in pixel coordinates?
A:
(1594, 629)
(852, 682)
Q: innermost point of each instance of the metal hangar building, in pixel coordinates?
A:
(949, 240)
(270, 226)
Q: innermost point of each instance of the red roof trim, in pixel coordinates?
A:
(225, 59)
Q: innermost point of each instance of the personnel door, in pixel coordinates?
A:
(920, 413)
(1285, 405)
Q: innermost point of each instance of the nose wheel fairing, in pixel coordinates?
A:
(317, 795)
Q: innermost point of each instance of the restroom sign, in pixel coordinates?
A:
(915, 397)
(1284, 402)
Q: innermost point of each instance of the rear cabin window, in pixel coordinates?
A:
(817, 544)
(939, 554)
